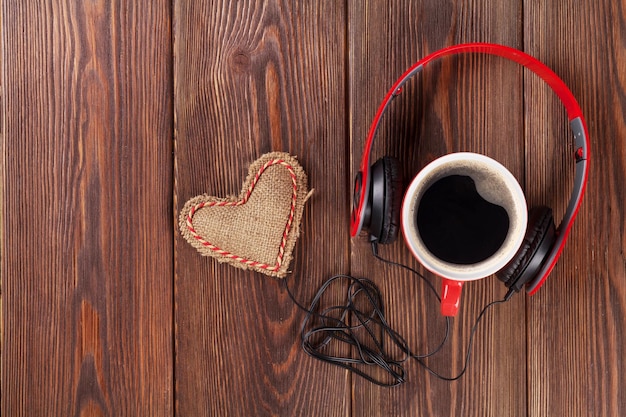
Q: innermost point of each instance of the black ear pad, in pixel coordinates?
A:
(539, 238)
(386, 199)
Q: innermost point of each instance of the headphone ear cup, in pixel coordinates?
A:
(539, 238)
(386, 200)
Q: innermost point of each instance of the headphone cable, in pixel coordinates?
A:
(326, 330)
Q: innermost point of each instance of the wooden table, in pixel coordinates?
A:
(115, 113)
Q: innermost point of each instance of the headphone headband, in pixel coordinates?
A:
(574, 113)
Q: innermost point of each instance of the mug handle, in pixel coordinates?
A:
(450, 296)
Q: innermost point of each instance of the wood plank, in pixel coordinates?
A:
(254, 77)
(87, 243)
(576, 322)
(454, 105)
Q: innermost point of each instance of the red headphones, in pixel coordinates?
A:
(378, 189)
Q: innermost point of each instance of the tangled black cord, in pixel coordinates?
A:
(360, 324)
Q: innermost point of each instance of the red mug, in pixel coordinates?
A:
(464, 217)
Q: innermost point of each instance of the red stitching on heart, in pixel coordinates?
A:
(281, 249)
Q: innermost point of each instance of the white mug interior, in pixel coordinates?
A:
(495, 184)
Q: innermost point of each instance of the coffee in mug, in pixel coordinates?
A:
(464, 217)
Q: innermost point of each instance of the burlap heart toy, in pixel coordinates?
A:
(258, 229)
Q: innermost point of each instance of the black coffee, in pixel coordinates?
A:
(457, 225)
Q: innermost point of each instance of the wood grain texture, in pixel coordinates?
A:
(114, 113)
(87, 239)
(576, 322)
(254, 77)
(456, 104)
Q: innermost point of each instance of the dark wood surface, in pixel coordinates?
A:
(87, 254)
(456, 105)
(241, 92)
(115, 113)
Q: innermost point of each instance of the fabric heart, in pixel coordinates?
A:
(258, 229)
